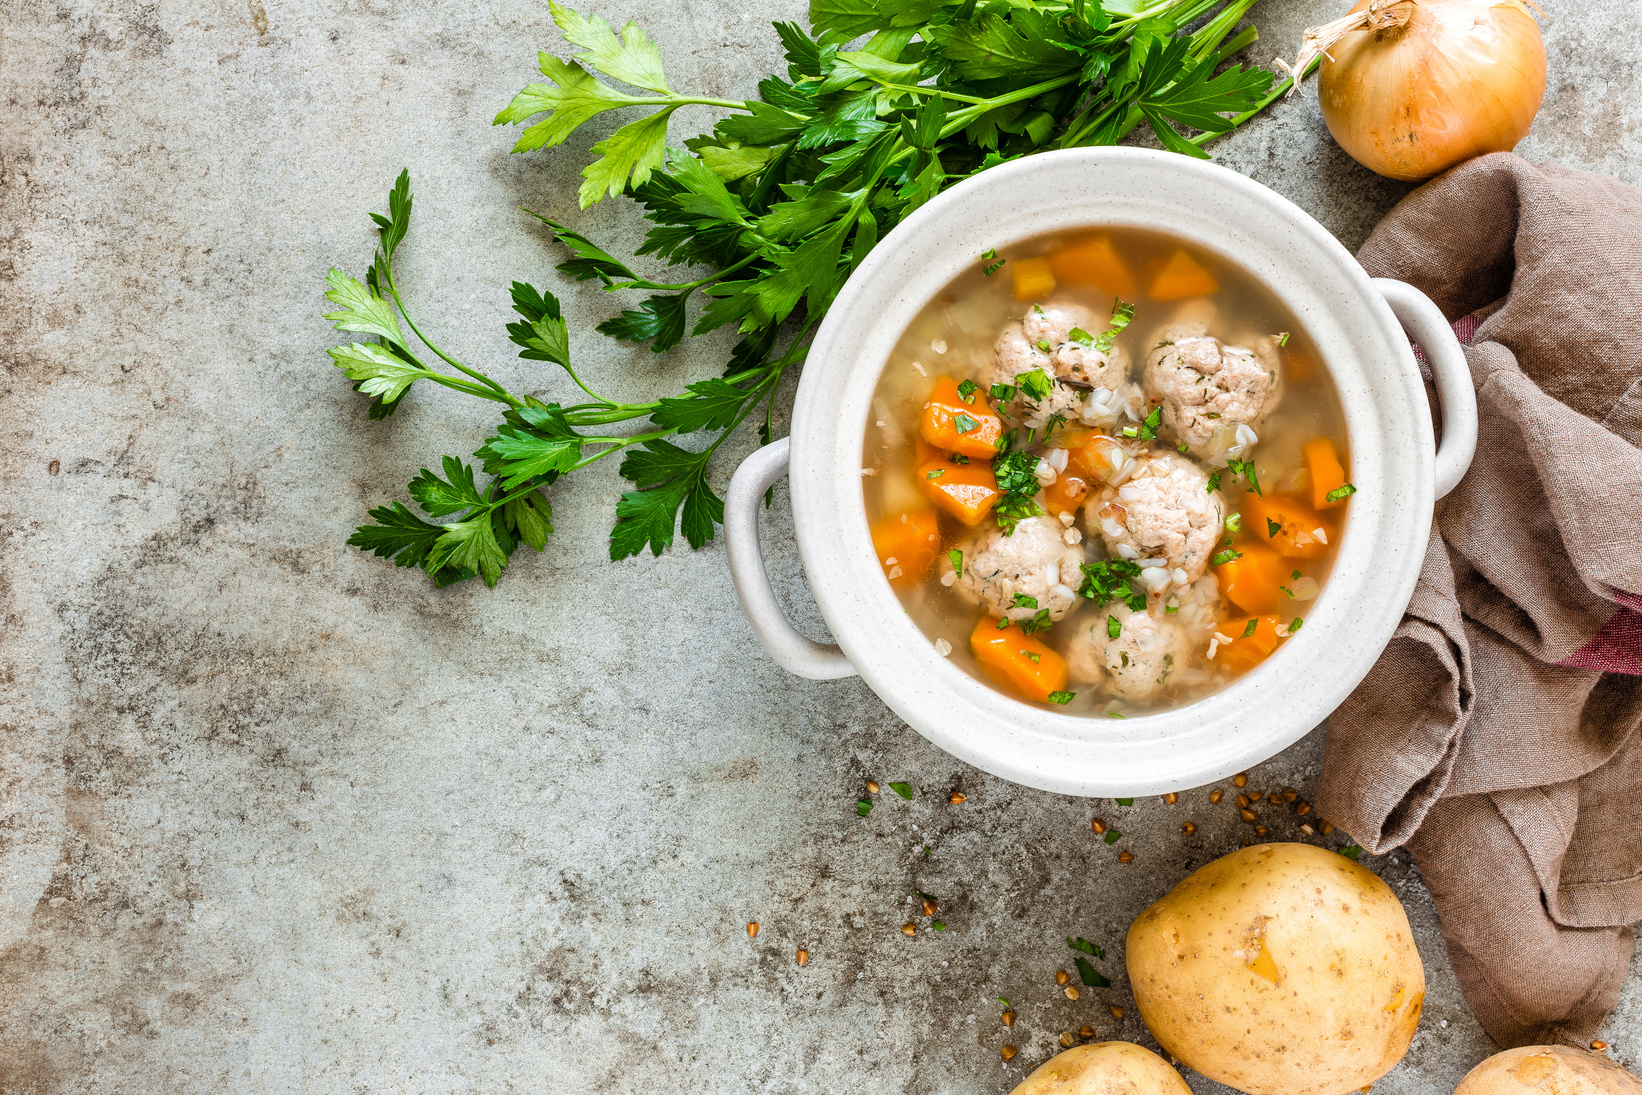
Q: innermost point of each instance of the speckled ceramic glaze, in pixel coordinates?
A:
(1353, 321)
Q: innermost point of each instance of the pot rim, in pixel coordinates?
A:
(1387, 420)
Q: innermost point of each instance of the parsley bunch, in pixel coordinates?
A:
(780, 202)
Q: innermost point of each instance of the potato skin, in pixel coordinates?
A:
(1280, 969)
(1548, 1070)
(1104, 1068)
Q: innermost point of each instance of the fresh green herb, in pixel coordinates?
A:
(956, 458)
(1170, 610)
(1081, 337)
(966, 391)
(965, 423)
(902, 789)
(1036, 384)
(1062, 698)
(1249, 628)
(1032, 656)
(1082, 944)
(1131, 432)
(1351, 852)
(1022, 600)
(936, 474)
(1108, 580)
(988, 271)
(957, 558)
(1295, 575)
(1124, 801)
(926, 851)
(1122, 313)
(863, 807)
(1115, 715)
(1003, 393)
(1124, 656)
(1043, 344)
(1338, 493)
(1234, 523)
(987, 256)
(1112, 836)
(1214, 482)
(1287, 590)
(1016, 472)
(1012, 509)
(1003, 622)
(779, 202)
(937, 925)
(1037, 309)
(1223, 557)
(1245, 468)
(1149, 424)
(1091, 976)
(1183, 447)
(931, 898)
(1272, 528)
(1114, 627)
(1283, 339)
(1002, 1001)
(1039, 622)
(1296, 624)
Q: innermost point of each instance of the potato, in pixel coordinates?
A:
(1280, 969)
(1104, 1068)
(1552, 1070)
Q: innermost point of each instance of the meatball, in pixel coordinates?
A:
(1042, 340)
(1139, 663)
(1164, 517)
(1214, 396)
(1035, 561)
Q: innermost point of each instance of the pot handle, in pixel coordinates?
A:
(1423, 322)
(796, 654)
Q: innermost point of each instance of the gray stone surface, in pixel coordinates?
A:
(275, 816)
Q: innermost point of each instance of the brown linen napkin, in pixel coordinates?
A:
(1497, 736)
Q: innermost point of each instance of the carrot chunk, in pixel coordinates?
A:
(907, 544)
(1250, 581)
(1033, 278)
(1327, 473)
(1017, 661)
(1286, 525)
(952, 424)
(1067, 493)
(1182, 276)
(1245, 652)
(1098, 459)
(1093, 260)
(966, 491)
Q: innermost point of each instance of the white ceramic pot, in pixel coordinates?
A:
(1353, 321)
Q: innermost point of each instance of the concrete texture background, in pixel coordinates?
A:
(276, 816)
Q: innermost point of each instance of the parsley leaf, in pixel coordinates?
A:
(1338, 493)
(902, 789)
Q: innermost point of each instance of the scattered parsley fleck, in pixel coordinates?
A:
(1295, 575)
(1081, 337)
(957, 458)
(1114, 627)
(1249, 630)
(1222, 558)
(994, 268)
(1108, 580)
(1003, 393)
(1214, 482)
(1023, 600)
(1040, 622)
(1124, 654)
(1296, 624)
(1245, 468)
(1340, 492)
(957, 558)
(1035, 383)
(1351, 851)
(1043, 344)
(1183, 447)
(1272, 528)
(1082, 944)
(1112, 836)
(1122, 313)
(1149, 424)
(937, 925)
(862, 808)
(1130, 432)
(1004, 1002)
(966, 391)
(1234, 523)
(902, 789)
(1115, 715)
(1062, 698)
(987, 256)
(1032, 656)
(936, 474)
(1170, 610)
(926, 851)
(1283, 339)
(1037, 309)
(1124, 801)
(1003, 622)
(965, 423)
(1091, 976)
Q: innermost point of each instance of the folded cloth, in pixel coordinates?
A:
(1497, 736)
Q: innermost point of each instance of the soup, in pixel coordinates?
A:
(1106, 472)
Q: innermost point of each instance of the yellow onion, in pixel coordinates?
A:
(1412, 87)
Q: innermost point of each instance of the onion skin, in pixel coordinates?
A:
(1461, 79)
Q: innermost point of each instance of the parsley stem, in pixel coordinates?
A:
(685, 100)
(1275, 93)
(387, 271)
(942, 92)
(643, 284)
(460, 385)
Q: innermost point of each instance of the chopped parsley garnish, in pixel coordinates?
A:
(1112, 836)
(1249, 630)
(1115, 715)
(1183, 447)
(1114, 627)
(1035, 383)
(1016, 472)
(1125, 656)
(1124, 801)
(1234, 523)
(1221, 558)
(1272, 528)
(1108, 580)
(987, 256)
(1295, 575)
(1003, 393)
(965, 423)
(1091, 976)
(926, 851)
(1002, 1001)
(1340, 492)
(957, 558)
(1040, 622)
(1024, 601)
(937, 925)
(1245, 468)
(1214, 482)
(957, 458)
(1351, 852)
(1131, 432)
(1014, 509)
(862, 808)
(1122, 313)
(1032, 656)
(1296, 624)
(1170, 610)
(1037, 309)
(1043, 344)
(902, 789)
(1082, 944)
(1149, 424)
(1081, 337)
(1062, 698)
(1283, 339)
(936, 474)
(1003, 622)
(966, 391)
